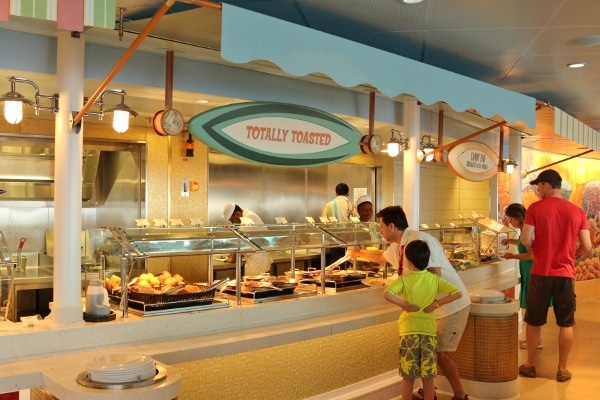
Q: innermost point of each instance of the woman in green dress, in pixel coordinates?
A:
(515, 213)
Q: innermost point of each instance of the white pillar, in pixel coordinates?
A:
(67, 182)
(411, 171)
(515, 180)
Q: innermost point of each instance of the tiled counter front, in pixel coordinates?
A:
(296, 370)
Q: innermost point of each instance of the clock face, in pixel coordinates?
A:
(375, 144)
(172, 122)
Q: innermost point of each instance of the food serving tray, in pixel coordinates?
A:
(266, 294)
(148, 310)
(151, 304)
(337, 285)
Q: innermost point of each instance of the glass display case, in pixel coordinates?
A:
(471, 243)
(134, 245)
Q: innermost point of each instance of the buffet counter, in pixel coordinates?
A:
(248, 349)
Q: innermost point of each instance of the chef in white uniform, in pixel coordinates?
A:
(255, 263)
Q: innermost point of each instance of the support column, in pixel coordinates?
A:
(515, 180)
(411, 171)
(67, 182)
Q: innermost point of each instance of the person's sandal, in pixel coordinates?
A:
(461, 398)
(418, 395)
(563, 376)
(529, 371)
(523, 344)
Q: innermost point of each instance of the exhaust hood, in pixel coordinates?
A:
(27, 171)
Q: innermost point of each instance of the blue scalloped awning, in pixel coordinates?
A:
(247, 36)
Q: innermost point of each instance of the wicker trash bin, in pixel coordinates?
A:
(487, 356)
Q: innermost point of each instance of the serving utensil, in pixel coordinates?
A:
(338, 263)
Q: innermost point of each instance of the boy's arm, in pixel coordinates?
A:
(389, 296)
(444, 300)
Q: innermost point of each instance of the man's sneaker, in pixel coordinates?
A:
(529, 371)
(563, 376)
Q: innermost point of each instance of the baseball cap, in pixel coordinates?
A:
(228, 210)
(549, 175)
(363, 199)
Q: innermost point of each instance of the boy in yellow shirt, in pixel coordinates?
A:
(418, 291)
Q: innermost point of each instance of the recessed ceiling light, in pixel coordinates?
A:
(412, 1)
(591, 40)
(202, 101)
(577, 65)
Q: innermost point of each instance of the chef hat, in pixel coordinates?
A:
(228, 210)
(363, 199)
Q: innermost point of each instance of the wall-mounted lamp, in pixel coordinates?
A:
(13, 101)
(121, 112)
(394, 146)
(508, 166)
(425, 152)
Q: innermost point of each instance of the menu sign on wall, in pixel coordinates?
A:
(277, 134)
(473, 161)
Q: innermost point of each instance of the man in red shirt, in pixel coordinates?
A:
(551, 230)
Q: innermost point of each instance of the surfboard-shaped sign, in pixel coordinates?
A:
(474, 161)
(277, 134)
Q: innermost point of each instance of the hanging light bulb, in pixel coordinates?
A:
(13, 111)
(427, 149)
(121, 112)
(120, 121)
(393, 147)
(509, 165)
(13, 101)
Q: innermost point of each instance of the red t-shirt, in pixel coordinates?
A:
(557, 223)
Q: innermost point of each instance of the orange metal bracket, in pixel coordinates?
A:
(124, 58)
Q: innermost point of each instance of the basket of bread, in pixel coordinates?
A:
(164, 289)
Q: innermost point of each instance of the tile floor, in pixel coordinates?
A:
(584, 361)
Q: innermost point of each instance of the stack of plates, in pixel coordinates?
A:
(487, 296)
(121, 368)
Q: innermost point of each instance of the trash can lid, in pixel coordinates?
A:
(486, 295)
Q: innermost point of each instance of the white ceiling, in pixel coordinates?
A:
(519, 45)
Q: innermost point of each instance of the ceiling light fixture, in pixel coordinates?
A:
(121, 112)
(509, 165)
(412, 1)
(426, 150)
(394, 146)
(576, 65)
(13, 101)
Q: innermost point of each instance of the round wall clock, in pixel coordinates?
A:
(168, 122)
(375, 144)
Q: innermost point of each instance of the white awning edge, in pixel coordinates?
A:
(248, 36)
(571, 128)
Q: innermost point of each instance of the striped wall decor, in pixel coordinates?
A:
(571, 128)
(100, 13)
(97, 13)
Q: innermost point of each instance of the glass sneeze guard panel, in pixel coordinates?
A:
(361, 234)
(172, 241)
